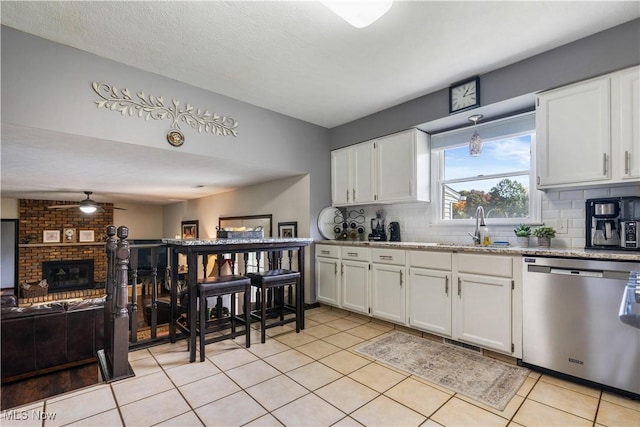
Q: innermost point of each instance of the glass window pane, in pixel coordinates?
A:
(506, 197)
(498, 156)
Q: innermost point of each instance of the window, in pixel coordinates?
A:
(501, 179)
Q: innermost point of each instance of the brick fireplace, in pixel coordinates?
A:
(34, 218)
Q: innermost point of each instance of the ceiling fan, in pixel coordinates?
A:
(87, 205)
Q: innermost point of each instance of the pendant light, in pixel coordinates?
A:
(475, 145)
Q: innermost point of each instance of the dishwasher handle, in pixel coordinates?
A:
(576, 272)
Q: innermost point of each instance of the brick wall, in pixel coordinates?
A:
(34, 217)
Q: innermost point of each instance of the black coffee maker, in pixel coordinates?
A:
(394, 231)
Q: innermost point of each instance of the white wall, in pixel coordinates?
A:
(8, 208)
(143, 221)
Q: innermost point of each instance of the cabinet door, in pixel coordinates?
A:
(388, 293)
(363, 179)
(626, 121)
(573, 125)
(395, 166)
(355, 286)
(429, 300)
(482, 311)
(327, 281)
(340, 177)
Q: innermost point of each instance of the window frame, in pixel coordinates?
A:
(438, 182)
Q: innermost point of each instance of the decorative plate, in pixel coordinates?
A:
(175, 138)
(328, 219)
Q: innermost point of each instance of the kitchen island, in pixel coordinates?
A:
(195, 249)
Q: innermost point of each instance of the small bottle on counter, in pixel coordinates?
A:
(485, 238)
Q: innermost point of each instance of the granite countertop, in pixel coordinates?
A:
(263, 241)
(495, 249)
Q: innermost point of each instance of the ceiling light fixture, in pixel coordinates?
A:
(475, 145)
(88, 209)
(359, 13)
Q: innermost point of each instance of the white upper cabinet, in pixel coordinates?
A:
(588, 132)
(393, 168)
(573, 134)
(402, 167)
(352, 175)
(625, 97)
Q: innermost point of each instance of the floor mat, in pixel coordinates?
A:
(481, 378)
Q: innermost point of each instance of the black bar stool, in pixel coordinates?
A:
(217, 287)
(276, 280)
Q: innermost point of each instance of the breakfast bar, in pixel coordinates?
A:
(269, 251)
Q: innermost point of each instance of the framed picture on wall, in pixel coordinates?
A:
(190, 229)
(288, 229)
(86, 236)
(51, 236)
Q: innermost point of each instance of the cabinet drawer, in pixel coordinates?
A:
(388, 256)
(431, 260)
(354, 253)
(328, 251)
(490, 265)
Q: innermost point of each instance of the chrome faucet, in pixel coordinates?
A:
(477, 239)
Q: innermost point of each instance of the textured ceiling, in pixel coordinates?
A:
(299, 59)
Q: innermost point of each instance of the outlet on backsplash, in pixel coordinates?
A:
(561, 225)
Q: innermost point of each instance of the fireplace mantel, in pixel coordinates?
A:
(42, 245)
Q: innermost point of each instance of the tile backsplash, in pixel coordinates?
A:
(566, 206)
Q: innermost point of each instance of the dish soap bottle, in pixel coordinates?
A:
(485, 239)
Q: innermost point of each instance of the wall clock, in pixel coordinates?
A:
(69, 234)
(464, 95)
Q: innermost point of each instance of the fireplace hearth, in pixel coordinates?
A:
(68, 275)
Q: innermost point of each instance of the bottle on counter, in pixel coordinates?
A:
(485, 238)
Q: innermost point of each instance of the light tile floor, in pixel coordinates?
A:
(309, 379)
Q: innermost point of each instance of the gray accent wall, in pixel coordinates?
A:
(601, 53)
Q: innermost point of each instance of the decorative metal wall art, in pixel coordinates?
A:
(149, 106)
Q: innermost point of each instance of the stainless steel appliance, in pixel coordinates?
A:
(571, 320)
(612, 223)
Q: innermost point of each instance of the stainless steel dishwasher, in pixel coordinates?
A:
(571, 323)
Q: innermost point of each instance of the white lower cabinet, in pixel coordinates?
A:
(482, 311)
(355, 279)
(474, 298)
(429, 300)
(388, 287)
(463, 296)
(388, 292)
(327, 279)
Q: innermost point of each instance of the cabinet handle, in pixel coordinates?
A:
(446, 285)
(352, 254)
(325, 252)
(627, 163)
(459, 287)
(336, 269)
(400, 278)
(604, 164)
(347, 194)
(386, 257)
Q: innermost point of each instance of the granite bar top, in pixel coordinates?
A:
(495, 249)
(224, 242)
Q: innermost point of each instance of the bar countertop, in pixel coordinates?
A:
(225, 242)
